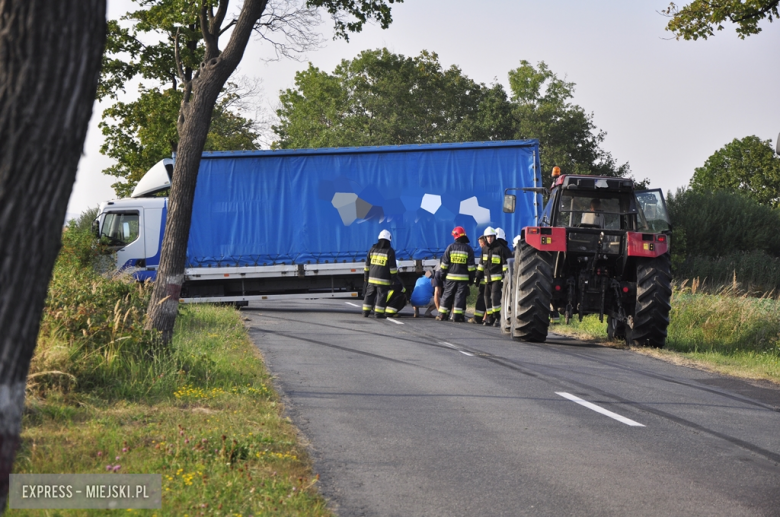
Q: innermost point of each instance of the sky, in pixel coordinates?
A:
(666, 105)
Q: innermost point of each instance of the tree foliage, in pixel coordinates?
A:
(141, 132)
(718, 223)
(567, 135)
(721, 235)
(748, 166)
(700, 18)
(382, 98)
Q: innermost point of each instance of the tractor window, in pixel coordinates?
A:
(120, 228)
(583, 210)
(653, 216)
(547, 214)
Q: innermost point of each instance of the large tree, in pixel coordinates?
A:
(49, 65)
(748, 166)
(192, 31)
(700, 18)
(382, 98)
(567, 135)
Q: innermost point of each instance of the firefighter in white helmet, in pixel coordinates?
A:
(379, 274)
(494, 266)
(479, 306)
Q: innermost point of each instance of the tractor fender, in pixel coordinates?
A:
(545, 238)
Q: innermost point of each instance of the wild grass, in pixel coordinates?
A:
(726, 331)
(755, 272)
(201, 412)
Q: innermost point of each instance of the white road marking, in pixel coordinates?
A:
(396, 322)
(352, 304)
(599, 409)
(450, 345)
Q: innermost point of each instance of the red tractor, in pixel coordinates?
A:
(601, 247)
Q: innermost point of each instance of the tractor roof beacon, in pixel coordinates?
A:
(600, 247)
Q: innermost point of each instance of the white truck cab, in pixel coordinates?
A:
(134, 227)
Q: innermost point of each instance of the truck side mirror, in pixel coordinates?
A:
(509, 203)
(96, 228)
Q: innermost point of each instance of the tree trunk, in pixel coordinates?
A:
(193, 124)
(50, 54)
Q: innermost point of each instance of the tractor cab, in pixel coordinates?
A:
(604, 203)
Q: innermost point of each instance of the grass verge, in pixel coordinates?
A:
(726, 333)
(202, 414)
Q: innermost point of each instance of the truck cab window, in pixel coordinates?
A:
(120, 228)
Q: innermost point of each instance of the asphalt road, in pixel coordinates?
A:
(418, 417)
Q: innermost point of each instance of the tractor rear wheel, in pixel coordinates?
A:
(653, 297)
(532, 293)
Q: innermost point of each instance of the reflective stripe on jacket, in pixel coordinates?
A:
(457, 263)
(380, 264)
(493, 262)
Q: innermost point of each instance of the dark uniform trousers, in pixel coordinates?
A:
(375, 293)
(492, 299)
(457, 289)
(479, 308)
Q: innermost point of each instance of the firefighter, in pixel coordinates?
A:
(379, 272)
(459, 270)
(396, 298)
(494, 264)
(501, 239)
(479, 308)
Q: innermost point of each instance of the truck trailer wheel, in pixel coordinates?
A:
(532, 293)
(653, 295)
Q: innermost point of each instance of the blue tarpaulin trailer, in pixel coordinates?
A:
(278, 218)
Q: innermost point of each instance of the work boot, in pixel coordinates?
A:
(381, 316)
(477, 321)
(441, 317)
(488, 322)
(497, 323)
(366, 314)
(459, 319)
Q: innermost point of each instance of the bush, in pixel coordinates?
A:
(714, 224)
(719, 235)
(91, 332)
